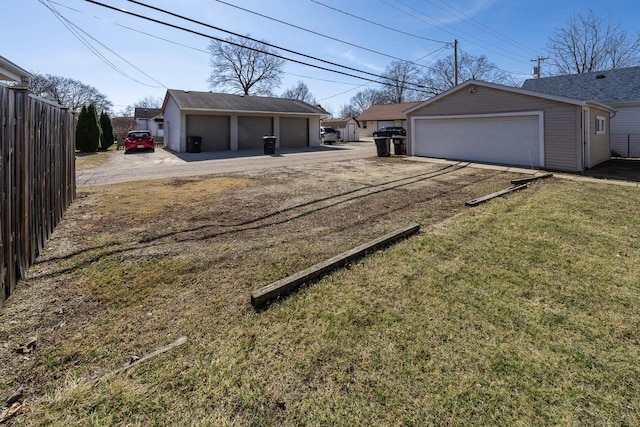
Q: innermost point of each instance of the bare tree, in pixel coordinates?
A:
(441, 78)
(146, 102)
(244, 66)
(400, 80)
(122, 125)
(363, 100)
(592, 43)
(301, 92)
(68, 92)
(149, 102)
(349, 110)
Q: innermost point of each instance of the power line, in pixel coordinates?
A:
(512, 73)
(413, 15)
(316, 33)
(379, 24)
(76, 30)
(417, 87)
(485, 28)
(206, 52)
(236, 35)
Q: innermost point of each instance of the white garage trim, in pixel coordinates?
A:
(538, 114)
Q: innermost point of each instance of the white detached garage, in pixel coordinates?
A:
(490, 123)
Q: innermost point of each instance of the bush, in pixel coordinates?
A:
(107, 138)
(88, 130)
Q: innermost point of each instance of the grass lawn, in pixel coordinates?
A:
(522, 311)
(90, 160)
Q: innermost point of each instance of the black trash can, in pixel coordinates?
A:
(399, 145)
(194, 144)
(269, 144)
(383, 147)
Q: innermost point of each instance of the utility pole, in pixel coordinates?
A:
(536, 69)
(455, 62)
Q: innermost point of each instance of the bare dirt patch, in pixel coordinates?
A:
(133, 267)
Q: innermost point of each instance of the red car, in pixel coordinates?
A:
(139, 140)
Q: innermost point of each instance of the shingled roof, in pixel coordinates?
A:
(608, 87)
(386, 111)
(338, 123)
(146, 113)
(224, 102)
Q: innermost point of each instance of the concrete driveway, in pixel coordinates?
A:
(165, 164)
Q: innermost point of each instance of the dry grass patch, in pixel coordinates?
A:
(85, 161)
(522, 311)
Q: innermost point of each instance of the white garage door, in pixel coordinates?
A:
(509, 140)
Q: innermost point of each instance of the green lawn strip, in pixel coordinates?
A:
(521, 312)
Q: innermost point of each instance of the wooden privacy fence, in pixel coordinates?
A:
(37, 180)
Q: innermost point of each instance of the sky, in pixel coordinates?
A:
(129, 59)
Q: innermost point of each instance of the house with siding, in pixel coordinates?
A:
(490, 123)
(150, 119)
(619, 88)
(228, 122)
(377, 116)
(12, 73)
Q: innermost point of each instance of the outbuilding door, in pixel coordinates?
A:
(294, 132)
(515, 139)
(251, 129)
(351, 132)
(214, 131)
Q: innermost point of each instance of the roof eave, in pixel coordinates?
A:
(520, 91)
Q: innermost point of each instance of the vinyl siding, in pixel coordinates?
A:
(561, 120)
(173, 127)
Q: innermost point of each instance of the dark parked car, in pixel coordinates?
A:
(139, 140)
(390, 131)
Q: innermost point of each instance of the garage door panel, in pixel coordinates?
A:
(513, 140)
(214, 130)
(294, 132)
(251, 129)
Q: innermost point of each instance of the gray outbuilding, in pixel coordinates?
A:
(225, 122)
(490, 123)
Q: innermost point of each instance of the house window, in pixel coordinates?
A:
(600, 125)
(364, 124)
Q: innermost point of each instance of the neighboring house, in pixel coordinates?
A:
(347, 126)
(149, 119)
(10, 72)
(491, 123)
(377, 116)
(238, 122)
(619, 88)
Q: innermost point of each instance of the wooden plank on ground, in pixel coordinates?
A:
(483, 199)
(262, 296)
(530, 179)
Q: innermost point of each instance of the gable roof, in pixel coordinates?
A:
(609, 87)
(146, 113)
(469, 83)
(386, 111)
(224, 102)
(338, 123)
